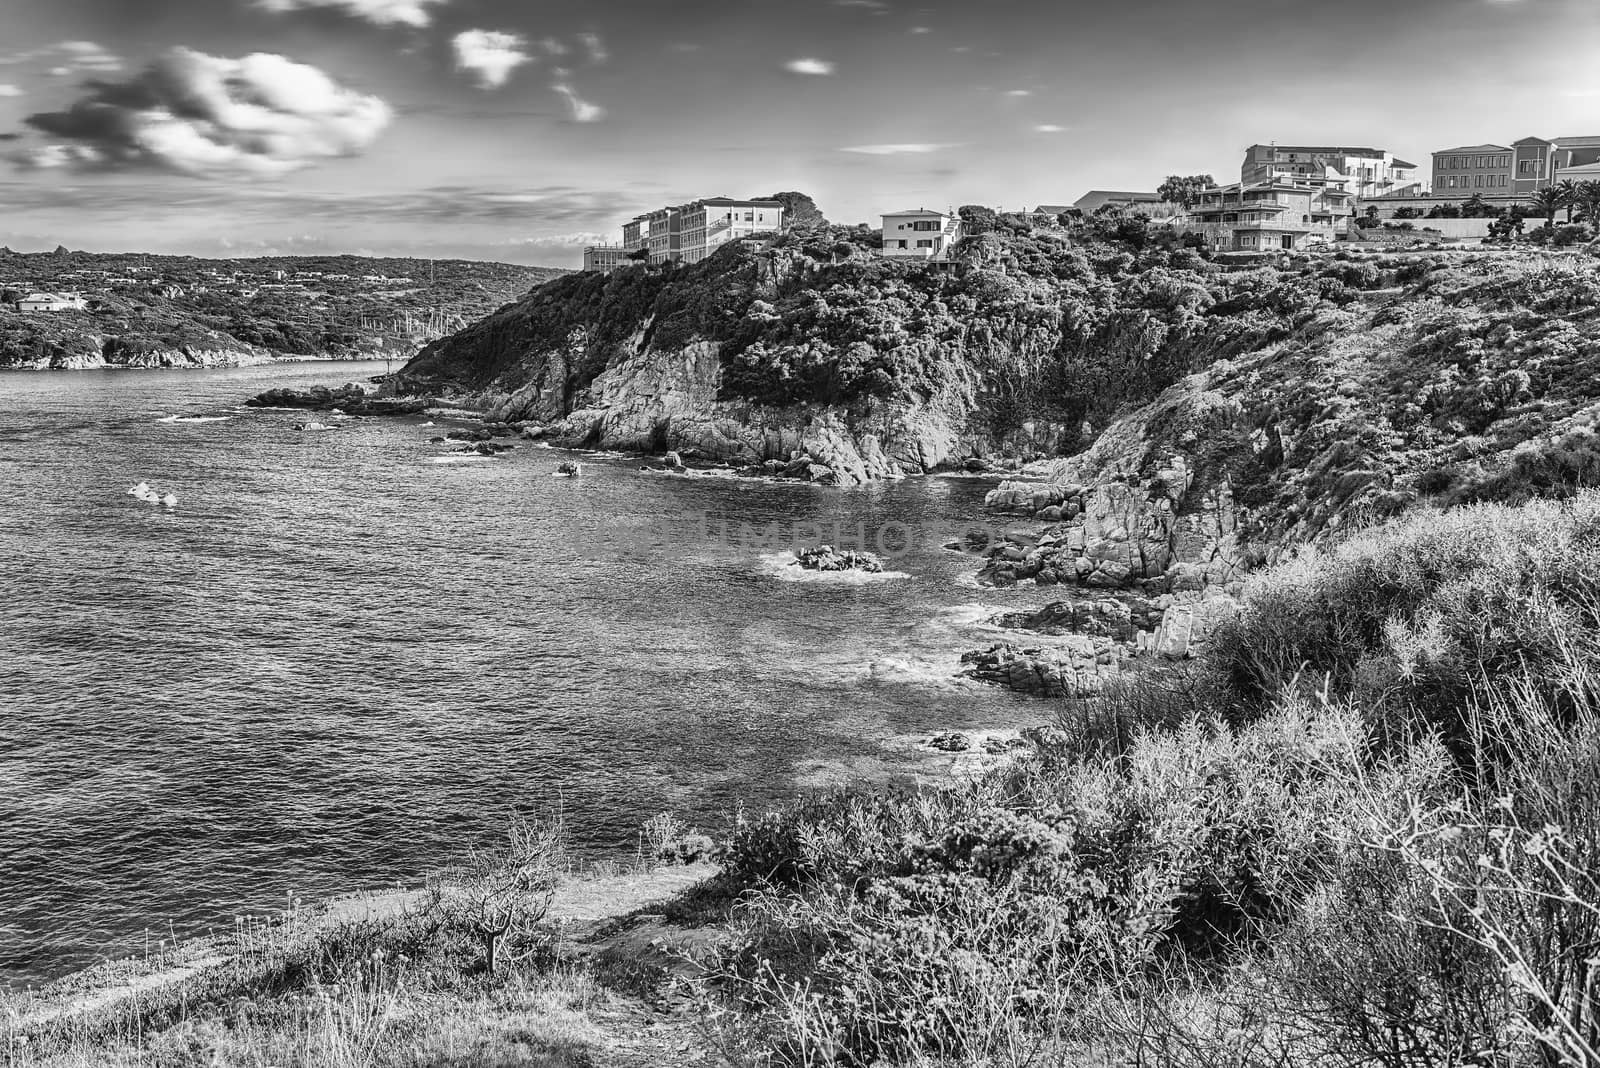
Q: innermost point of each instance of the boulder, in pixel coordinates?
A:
(827, 558)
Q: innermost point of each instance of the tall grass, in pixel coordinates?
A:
(1367, 831)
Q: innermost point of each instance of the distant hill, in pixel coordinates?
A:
(175, 311)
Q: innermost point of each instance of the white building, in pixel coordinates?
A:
(920, 234)
(1361, 172)
(706, 225)
(52, 302)
(688, 233)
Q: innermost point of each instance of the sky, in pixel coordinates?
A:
(522, 130)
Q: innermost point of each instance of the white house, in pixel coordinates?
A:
(52, 302)
(920, 234)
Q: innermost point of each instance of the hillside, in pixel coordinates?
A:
(180, 311)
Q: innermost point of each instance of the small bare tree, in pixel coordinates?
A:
(503, 893)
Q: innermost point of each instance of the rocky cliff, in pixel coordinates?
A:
(1478, 382)
(811, 347)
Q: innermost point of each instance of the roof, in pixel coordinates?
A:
(723, 202)
(1118, 194)
(49, 297)
(1592, 141)
(1398, 162)
(1531, 141)
(1322, 150)
(1052, 209)
(916, 211)
(1473, 148)
(1586, 169)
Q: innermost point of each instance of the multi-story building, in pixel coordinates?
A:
(1271, 216)
(920, 233)
(636, 233)
(1361, 172)
(707, 225)
(1484, 170)
(658, 237)
(687, 233)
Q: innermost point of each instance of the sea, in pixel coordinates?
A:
(341, 658)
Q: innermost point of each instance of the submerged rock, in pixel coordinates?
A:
(569, 469)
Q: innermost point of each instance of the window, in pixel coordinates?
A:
(1478, 181)
(749, 216)
(925, 243)
(900, 244)
(1503, 180)
(1525, 168)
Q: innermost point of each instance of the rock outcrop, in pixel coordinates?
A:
(1075, 667)
(349, 398)
(827, 558)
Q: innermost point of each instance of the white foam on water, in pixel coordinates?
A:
(194, 419)
(465, 458)
(785, 568)
(935, 672)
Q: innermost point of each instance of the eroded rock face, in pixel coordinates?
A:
(1158, 534)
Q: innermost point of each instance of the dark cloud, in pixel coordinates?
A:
(196, 114)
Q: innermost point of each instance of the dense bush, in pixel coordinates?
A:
(1366, 832)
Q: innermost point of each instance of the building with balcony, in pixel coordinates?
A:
(707, 225)
(687, 233)
(1360, 172)
(920, 234)
(1270, 216)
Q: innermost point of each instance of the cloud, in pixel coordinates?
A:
(1049, 127)
(896, 150)
(70, 57)
(378, 12)
(596, 47)
(809, 65)
(1019, 92)
(877, 7)
(191, 113)
(581, 109)
(9, 90)
(921, 29)
(489, 55)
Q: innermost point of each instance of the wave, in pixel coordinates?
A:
(785, 568)
(464, 458)
(194, 419)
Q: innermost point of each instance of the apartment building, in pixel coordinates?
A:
(1484, 170)
(707, 225)
(1271, 216)
(1515, 172)
(1361, 172)
(920, 234)
(687, 233)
